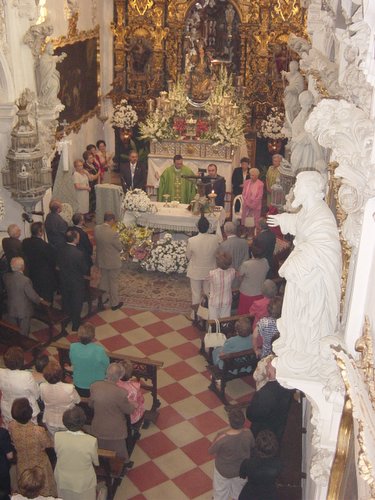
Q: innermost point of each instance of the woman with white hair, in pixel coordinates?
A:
(111, 406)
(252, 195)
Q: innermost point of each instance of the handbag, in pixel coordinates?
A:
(202, 311)
(249, 221)
(214, 339)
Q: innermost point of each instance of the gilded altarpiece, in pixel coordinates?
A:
(156, 41)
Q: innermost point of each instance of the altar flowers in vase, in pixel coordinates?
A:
(167, 256)
(136, 200)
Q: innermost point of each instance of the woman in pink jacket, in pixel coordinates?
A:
(252, 195)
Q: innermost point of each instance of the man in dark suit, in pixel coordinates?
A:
(55, 225)
(215, 183)
(12, 246)
(21, 296)
(133, 173)
(269, 407)
(41, 262)
(238, 249)
(240, 175)
(73, 269)
(84, 244)
(266, 239)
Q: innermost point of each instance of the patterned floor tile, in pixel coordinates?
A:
(171, 339)
(185, 351)
(124, 325)
(145, 318)
(209, 398)
(178, 322)
(190, 332)
(151, 346)
(147, 476)
(137, 335)
(195, 383)
(182, 434)
(164, 491)
(194, 483)
(156, 445)
(197, 451)
(174, 463)
(180, 370)
(115, 343)
(168, 416)
(173, 393)
(190, 407)
(158, 328)
(208, 422)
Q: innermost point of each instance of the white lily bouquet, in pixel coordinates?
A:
(136, 200)
(167, 256)
(270, 128)
(124, 115)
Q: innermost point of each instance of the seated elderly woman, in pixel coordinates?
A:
(57, 397)
(240, 342)
(133, 388)
(30, 441)
(77, 453)
(16, 383)
(89, 360)
(30, 484)
(252, 272)
(111, 406)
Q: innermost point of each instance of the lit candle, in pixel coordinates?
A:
(163, 95)
(212, 197)
(235, 109)
(158, 102)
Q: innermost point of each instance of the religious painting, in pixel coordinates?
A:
(79, 80)
(211, 34)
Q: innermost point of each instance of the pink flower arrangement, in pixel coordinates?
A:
(201, 127)
(179, 125)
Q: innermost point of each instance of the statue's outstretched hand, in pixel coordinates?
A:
(273, 220)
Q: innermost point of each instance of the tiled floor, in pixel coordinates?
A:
(171, 458)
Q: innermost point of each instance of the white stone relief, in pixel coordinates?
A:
(36, 36)
(348, 132)
(26, 8)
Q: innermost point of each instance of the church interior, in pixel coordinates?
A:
(136, 116)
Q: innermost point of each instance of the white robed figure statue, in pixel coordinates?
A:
(312, 272)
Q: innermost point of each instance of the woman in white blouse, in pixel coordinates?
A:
(57, 397)
(15, 382)
(81, 186)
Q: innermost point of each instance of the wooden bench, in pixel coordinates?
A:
(10, 336)
(112, 469)
(144, 369)
(226, 327)
(234, 366)
(51, 317)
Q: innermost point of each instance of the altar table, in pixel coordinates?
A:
(178, 219)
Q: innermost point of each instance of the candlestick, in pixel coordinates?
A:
(235, 109)
(158, 102)
(163, 95)
(150, 104)
(212, 197)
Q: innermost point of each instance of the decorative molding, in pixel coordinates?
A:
(35, 37)
(77, 37)
(26, 8)
(348, 132)
(358, 377)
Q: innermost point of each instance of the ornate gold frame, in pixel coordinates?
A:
(73, 37)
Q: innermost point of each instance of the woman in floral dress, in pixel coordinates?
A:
(30, 442)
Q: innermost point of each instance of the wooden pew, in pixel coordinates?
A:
(52, 316)
(233, 363)
(144, 369)
(10, 336)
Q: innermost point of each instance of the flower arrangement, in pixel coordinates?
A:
(124, 115)
(270, 128)
(157, 127)
(136, 200)
(202, 127)
(136, 241)
(167, 256)
(179, 125)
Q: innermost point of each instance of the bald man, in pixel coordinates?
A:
(12, 246)
(55, 225)
(21, 296)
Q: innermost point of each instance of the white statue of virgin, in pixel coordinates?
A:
(313, 272)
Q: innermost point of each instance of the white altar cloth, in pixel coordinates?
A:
(178, 219)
